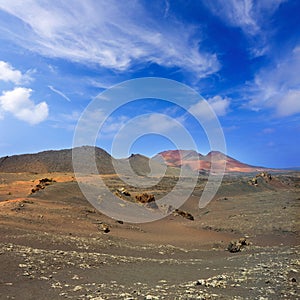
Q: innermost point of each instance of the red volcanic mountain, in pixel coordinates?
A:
(199, 162)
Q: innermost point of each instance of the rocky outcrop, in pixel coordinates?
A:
(147, 199)
(103, 227)
(123, 191)
(184, 214)
(237, 245)
(42, 184)
(263, 176)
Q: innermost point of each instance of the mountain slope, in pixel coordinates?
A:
(61, 161)
(143, 166)
(199, 162)
(54, 161)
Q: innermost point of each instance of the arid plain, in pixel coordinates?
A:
(55, 245)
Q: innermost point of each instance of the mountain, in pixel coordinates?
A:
(199, 162)
(176, 157)
(144, 166)
(55, 161)
(61, 161)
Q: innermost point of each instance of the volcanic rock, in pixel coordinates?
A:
(147, 199)
(237, 245)
(184, 214)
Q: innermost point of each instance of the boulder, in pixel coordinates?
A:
(237, 245)
(42, 184)
(147, 199)
(123, 191)
(184, 214)
(104, 227)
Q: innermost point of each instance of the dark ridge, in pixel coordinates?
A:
(54, 161)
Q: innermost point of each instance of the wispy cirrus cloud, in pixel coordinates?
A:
(236, 13)
(250, 16)
(247, 14)
(60, 93)
(114, 36)
(277, 86)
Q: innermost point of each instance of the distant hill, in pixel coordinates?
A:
(144, 166)
(54, 161)
(198, 162)
(61, 161)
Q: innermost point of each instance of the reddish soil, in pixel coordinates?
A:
(52, 243)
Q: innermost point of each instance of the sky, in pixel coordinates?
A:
(242, 57)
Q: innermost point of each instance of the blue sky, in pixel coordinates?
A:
(243, 57)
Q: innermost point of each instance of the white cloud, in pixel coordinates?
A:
(149, 122)
(113, 124)
(218, 104)
(18, 103)
(9, 74)
(127, 133)
(159, 123)
(289, 104)
(71, 117)
(278, 87)
(114, 36)
(66, 121)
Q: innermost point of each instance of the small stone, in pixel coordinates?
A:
(104, 227)
(44, 278)
(294, 270)
(200, 282)
(150, 297)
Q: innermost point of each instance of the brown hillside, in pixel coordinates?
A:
(54, 161)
